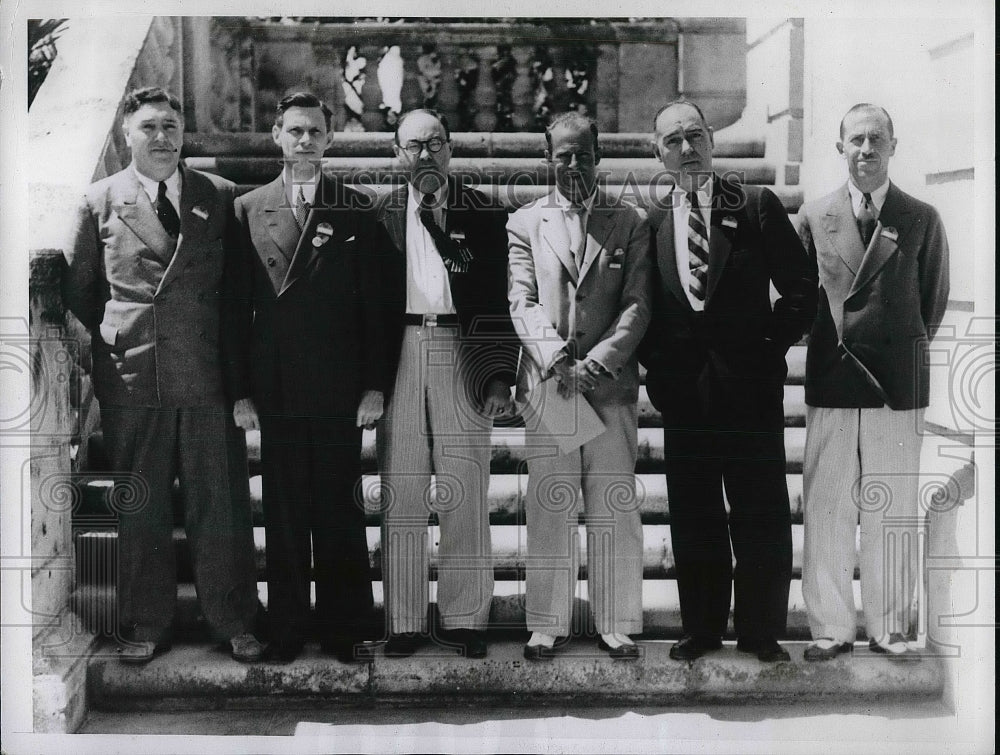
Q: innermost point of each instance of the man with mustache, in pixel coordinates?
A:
(883, 276)
(144, 275)
(311, 375)
(453, 352)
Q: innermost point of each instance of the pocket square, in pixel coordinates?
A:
(199, 212)
(350, 239)
(890, 233)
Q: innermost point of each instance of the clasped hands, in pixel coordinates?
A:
(577, 376)
(370, 409)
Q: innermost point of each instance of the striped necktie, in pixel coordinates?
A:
(697, 249)
(301, 209)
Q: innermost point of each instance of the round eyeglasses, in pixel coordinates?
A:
(416, 146)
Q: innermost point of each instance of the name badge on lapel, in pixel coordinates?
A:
(890, 233)
(729, 222)
(617, 258)
(324, 232)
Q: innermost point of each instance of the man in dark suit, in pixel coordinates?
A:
(144, 275)
(715, 355)
(882, 257)
(454, 353)
(311, 374)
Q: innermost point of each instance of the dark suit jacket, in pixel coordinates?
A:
(878, 308)
(306, 304)
(735, 348)
(153, 311)
(479, 294)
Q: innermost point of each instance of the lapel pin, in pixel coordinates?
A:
(890, 233)
(199, 212)
(350, 239)
(324, 229)
(729, 222)
(617, 257)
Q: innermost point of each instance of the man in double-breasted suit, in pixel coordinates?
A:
(579, 299)
(311, 374)
(453, 353)
(715, 359)
(144, 276)
(883, 274)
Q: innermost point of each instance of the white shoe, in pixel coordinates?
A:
(540, 639)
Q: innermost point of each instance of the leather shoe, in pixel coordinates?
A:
(470, 642)
(620, 653)
(348, 650)
(767, 651)
(894, 646)
(539, 652)
(402, 645)
(140, 652)
(693, 647)
(284, 651)
(246, 648)
(816, 652)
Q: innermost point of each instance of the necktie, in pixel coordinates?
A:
(697, 249)
(574, 226)
(866, 219)
(301, 209)
(456, 257)
(166, 213)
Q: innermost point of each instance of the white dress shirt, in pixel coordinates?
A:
(152, 188)
(878, 197)
(427, 288)
(292, 190)
(682, 212)
(583, 209)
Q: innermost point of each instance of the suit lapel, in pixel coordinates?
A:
(320, 235)
(884, 243)
(720, 242)
(553, 231)
(138, 213)
(666, 257)
(196, 192)
(843, 231)
(394, 217)
(600, 226)
(279, 219)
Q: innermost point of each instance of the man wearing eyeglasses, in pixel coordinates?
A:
(455, 353)
(715, 360)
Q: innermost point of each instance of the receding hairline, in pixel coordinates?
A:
(868, 107)
(679, 103)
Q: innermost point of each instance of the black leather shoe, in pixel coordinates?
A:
(141, 652)
(402, 645)
(284, 651)
(816, 653)
(692, 648)
(470, 642)
(348, 651)
(894, 646)
(539, 653)
(620, 653)
(767, 651)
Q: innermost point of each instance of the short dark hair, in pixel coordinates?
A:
(428, 111)
(679, 101)
(139, 97)
(866, 106)
(302, 99)
(570, 120)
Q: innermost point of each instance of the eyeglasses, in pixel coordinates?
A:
(416, 146)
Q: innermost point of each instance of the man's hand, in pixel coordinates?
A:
(370, 409)
(576, 376)
(497, 402)
(245, 415)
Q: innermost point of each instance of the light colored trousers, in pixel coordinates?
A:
(431, 424)
(860, 464)
(605, 470)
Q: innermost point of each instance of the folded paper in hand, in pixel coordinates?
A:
(570, 422)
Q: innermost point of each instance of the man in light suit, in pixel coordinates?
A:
(453, 353)
(579, 299)
(312, 372)
(144, 276)
(715, 359)
(883, 274)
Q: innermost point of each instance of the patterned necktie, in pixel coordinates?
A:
(574, 226)
(697, 249)
(166, 213)
(866, 219)
(301, 209)
(456, 257)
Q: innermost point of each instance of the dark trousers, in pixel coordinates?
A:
(313, 505)
(148, 449)
(742, 450)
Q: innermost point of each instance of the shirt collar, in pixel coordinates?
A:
(152, 188)
(308, 189)
(704, 194)
(413, 198)
(565, 204)
(878, 196)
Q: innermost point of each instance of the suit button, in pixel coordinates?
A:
(271, 262)
(581, 297)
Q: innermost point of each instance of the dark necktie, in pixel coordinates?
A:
(455, 257)
(866, 219)
(301, 209)
(697, 249)
(166, 213)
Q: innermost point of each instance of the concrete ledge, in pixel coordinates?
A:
(59, 663)
(199, 676)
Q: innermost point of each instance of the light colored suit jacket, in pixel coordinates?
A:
(600, 310)
(153, 311)
(878, 307)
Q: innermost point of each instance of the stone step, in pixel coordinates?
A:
(200, 675)
(495, 170)
(464, 144)
(505, 499)
(661, 616)
(96, 549)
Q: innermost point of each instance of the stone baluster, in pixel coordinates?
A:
(577, 85)
(467, 79)
(543, 83)
(353, 67)
(504, 72)
(390, 81)
(429, 74)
